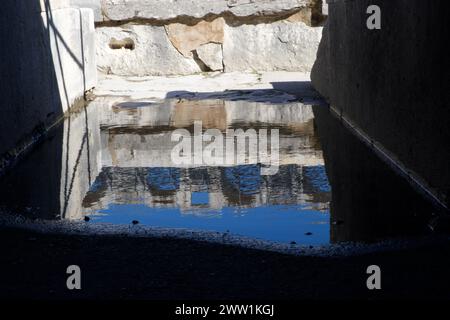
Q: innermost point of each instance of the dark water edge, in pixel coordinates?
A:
(370, 201)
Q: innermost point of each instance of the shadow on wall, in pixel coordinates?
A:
(391, 83)
(41, 76)
(42, 73)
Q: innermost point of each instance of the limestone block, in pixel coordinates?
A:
(70, 35)
(170, 9)
(89, 48)
(304, 15)
(49, 5)
(280, 46)
(188, 38)
(211, 55)
(95, 5)
(138, 50)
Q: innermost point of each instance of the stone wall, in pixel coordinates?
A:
(160, 37)
(390, 85)
(47, 62)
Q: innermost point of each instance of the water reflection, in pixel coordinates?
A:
(217, 187)
(369, 201)
(52, 180)
(112, 161)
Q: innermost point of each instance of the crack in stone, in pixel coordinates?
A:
(230, 18)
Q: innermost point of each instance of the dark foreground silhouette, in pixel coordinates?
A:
(34, 266)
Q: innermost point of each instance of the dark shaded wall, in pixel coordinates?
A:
(29, 96)
(47, 63)
(392, 83)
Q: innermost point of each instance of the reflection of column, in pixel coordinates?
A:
(184, 194)
(80, 160)
(53, 179)
(216, 199)
(369, 201)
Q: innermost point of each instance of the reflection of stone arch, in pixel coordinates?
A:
(242, 183)
(163, 180)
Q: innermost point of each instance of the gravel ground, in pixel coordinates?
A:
(33, 265)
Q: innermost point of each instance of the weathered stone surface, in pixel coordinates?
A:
(89, 45)
(95, 5)
(170, 9)
(284, 42)
(207, 86)
(72, 36)
(150, 52)
(188, 38)
(304, 15)
(211, 55)
(118, 10)
(139, 50)
(49, 5)
(280, 46)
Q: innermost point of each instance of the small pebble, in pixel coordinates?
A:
(86, 218)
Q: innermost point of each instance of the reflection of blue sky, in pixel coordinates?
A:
(281, 208)
(318, 178)
(199, 198)
(245, 178)
(275, 223)
(164, 179)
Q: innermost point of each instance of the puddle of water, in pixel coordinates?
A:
(113, 162)
(233, 199)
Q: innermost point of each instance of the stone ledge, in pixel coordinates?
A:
(120, 10)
